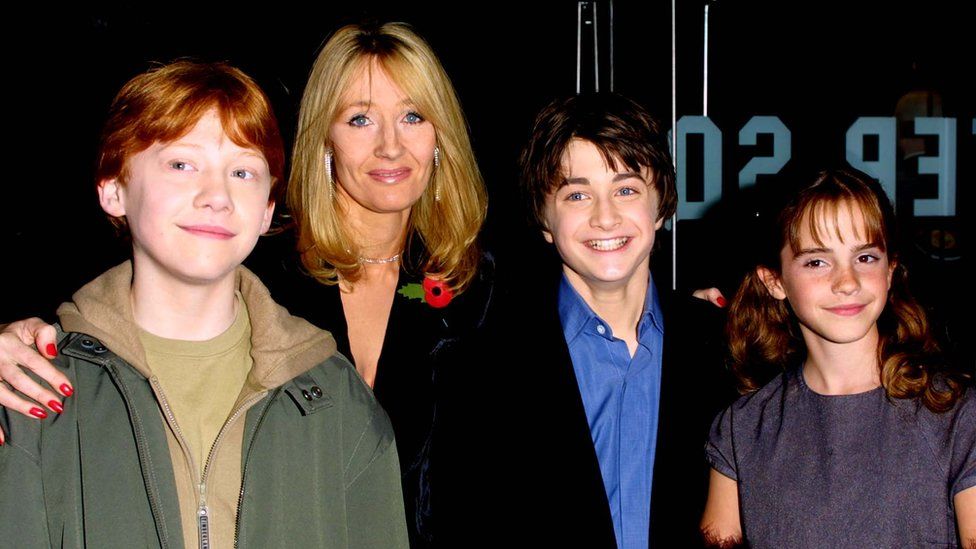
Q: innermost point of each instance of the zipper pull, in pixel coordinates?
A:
(203, 523)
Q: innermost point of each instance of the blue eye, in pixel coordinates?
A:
(243, 174)
(627, 191)
(574, 197)
(179, 165)
(413, 118)
(359, 120)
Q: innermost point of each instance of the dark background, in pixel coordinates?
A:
(816, 65)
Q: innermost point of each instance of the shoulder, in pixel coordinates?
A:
(768, 401)
(335, 387)
(957, 421)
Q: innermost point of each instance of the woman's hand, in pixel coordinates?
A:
(16, 353)
(712, 295)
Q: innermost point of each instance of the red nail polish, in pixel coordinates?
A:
(51, 349)
(721, 301)
(56, 406)
(67, 390)
(38, 413)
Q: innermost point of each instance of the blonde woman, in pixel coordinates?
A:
(387, 202)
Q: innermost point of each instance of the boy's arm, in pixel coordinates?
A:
(23, 516)
(374, 501)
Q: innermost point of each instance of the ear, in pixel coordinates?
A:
(111, 196)
(772, 282)
(892, 265)
(268, 216)
(547, 235)
(658, 224)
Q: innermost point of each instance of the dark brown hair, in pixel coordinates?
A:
(764, 337)
(621, 130)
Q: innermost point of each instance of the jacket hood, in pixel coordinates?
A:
(282, 346)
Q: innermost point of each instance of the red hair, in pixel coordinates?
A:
(163, 104)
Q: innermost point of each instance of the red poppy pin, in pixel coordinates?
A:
(435, 293)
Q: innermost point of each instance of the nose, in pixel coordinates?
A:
(214, 192)
(389, 144)
(604, 214)
(846, 280)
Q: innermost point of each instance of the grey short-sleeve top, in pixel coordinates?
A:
(844, 471)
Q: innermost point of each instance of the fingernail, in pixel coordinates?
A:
(38, 413)
(67, 390)
(56, 406)
(720, 301)
(51, 349)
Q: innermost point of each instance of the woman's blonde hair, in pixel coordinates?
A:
(448, 226)
(764, 336)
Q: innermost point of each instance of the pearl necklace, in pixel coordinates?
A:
(379, 260)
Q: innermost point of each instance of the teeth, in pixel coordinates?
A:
(608, 244)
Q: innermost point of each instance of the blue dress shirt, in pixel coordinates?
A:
(621, 395)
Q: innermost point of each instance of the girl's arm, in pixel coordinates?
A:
(16, 352)
(965, 503)
(720, 525)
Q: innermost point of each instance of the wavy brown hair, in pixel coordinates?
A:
(447, 227)
(764, 336)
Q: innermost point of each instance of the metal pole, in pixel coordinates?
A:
(705, 69)
(611, 46)
(596, 51)
(579, 42)
(674, 139)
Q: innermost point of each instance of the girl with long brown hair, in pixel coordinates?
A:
(852, 430)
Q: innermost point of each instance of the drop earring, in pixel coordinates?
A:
(328, 168)
(437, 164)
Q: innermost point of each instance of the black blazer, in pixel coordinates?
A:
(541, 484)
(419, 347)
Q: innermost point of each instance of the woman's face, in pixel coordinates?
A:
(383, 148)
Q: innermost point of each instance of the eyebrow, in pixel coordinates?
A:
(622, 176)
(861, 248)
(365, 103)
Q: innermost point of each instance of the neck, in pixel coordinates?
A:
(180, 310)
(376, 235)
(841, 368)
(620, 305)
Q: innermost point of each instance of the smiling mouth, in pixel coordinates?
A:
(390, 176)
(608, 244)
(209, 231)
(847, 310)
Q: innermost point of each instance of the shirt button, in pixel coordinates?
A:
(316, 392)
(305, 395)
(601, 329)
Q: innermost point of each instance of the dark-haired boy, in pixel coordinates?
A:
(609, 438)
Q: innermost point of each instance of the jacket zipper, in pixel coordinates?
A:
(203, 512)
(203, 519)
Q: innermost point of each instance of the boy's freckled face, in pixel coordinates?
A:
(195, 206)
(602, 221)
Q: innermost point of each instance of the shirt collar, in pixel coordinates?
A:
(575, 314)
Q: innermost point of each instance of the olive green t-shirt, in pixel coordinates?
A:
(201, 380)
